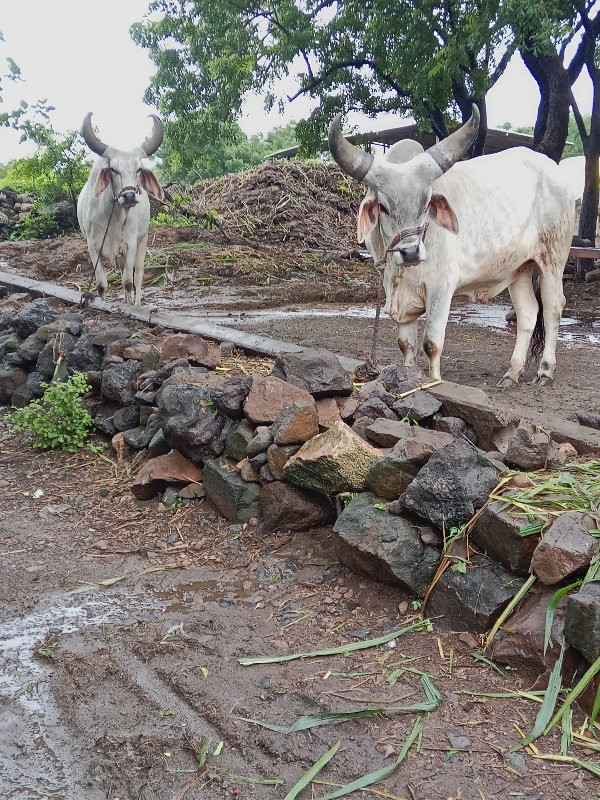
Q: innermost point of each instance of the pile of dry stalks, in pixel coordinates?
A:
(307, 205)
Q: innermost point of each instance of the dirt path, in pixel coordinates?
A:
(107, 693)
(310, 300)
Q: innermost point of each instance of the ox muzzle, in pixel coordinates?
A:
(409, 245)
(128, 196)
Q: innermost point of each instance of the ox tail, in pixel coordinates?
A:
(538, 338)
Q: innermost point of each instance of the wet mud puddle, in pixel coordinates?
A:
(574, 331)
(33, 760)
(38, 757)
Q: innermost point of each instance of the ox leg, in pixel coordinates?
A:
(526, 308)
(407, 341)
(138, 276)
(553, 302)
(100, 272)
(437, 309)
(128, 276)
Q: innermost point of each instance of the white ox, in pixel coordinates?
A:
(473, 228)
(113, 209)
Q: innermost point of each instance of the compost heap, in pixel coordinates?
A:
(311, 206)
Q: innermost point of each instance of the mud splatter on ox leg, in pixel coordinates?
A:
(407, 341)
(437, 309)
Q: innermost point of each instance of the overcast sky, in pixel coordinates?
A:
(78, 54)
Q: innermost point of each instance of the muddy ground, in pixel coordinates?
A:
(316, 300)
(106, 692)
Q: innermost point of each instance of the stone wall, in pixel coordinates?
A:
(14, 207)
(382, 461)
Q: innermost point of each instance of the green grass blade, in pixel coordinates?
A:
(554, 601)
(305, 723)
(537, 695)
(587, 765)
(548, 704)
(334, 651)
(509, 609)
(380, 774)
(578, 689)
(566, 738)
(595, 709)
(485, 660)
(312, 772)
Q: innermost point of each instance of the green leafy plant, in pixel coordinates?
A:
(58, 419)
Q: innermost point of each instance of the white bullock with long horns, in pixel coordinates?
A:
(113, 208)
(439, 227)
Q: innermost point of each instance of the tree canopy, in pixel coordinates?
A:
(432, 58)
(188, 155)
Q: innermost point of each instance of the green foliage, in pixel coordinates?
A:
(193, 149)
(59, 419)
(55, 173)
(573, 149)
(14, 118)
(423, 57)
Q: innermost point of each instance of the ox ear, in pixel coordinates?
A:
(102, 182)
(441, 212)
(368, 217)
(151, 184)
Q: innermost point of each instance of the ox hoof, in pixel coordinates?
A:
(506, 383)
(542, 380)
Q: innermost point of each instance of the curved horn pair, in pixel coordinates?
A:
(150, 146)
(356, 163)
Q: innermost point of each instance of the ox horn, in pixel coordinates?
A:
(154, 141)
(454, 147)
(90, 138)
(354, 161)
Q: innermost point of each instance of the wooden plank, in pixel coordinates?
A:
(252, 342)
(584, 252)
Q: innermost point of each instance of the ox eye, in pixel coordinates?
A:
(383, 209)
(115, 171)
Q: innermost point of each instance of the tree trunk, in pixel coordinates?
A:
(552, 123)
(588, 219)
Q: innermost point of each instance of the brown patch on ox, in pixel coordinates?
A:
(429, 347)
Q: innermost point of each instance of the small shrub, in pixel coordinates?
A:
(58, 419)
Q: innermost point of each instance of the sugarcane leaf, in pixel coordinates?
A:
(380, 774)
(312, 772)
(333, 651)
(548, 703)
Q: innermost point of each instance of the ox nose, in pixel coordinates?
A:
(410, 253)
(129, 198)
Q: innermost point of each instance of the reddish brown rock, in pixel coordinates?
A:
(335, 461)
(497, 533)
(247, 471)
(347, 407)
(296, 424)
(285, 507)
(566, 547)
(269, 396)
(156, 473)
(278, 457)
(328, 412)
(195, 349)
(560, 454)
(520, 641)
